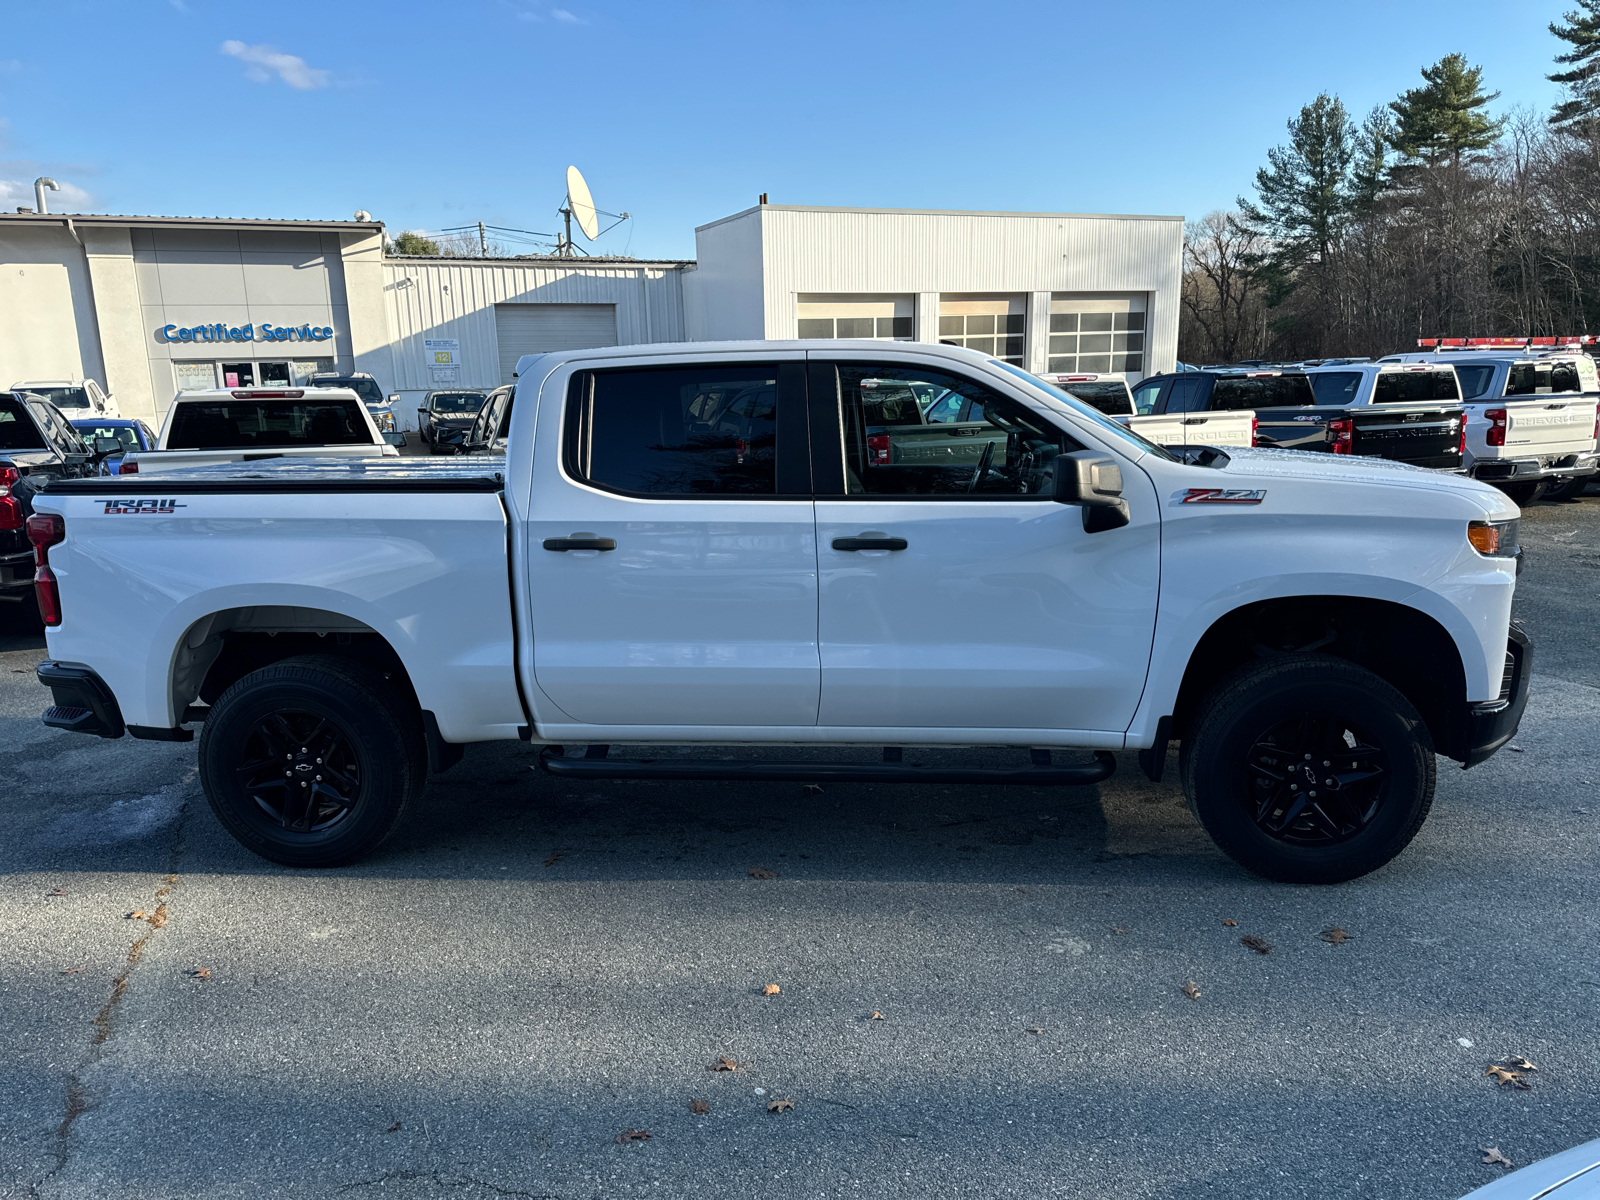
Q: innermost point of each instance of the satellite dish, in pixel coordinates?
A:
(582, 204)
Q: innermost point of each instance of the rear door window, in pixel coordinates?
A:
(1186, 395)
(1337, 388)
(1415, 387)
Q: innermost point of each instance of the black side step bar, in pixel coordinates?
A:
(1040, 774)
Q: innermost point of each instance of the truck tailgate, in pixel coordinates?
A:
(1549, 426)
(1422, 435)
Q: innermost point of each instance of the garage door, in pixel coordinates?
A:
(540, 328)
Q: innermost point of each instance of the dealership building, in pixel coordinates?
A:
(149, 306)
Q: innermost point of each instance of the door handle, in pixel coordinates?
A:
(870, 543)
(580, 543)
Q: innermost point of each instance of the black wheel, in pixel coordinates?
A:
(310, 762)
(1308, 769)
(435, 448)
(1567, 489)
(1522, 494)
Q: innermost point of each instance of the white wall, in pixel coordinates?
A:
(727, 285)
(47, 325)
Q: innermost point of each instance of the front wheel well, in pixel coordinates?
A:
(1406, 648)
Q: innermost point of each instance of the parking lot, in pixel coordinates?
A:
(980, 991)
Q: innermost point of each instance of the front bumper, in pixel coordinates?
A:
(83, 702)
(1563, 466)
(1491, 724)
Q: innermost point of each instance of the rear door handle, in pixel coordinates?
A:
(870, 543)
(580, 543)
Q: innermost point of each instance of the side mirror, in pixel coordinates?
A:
(395, 439)
(1094, 482)
(394, 397)
(107, 445)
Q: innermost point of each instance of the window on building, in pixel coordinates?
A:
(880, 318)
(1096, 336)
(990, 325)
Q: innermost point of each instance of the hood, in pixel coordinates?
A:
(1308, 466)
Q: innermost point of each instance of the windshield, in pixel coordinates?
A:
(17, 431)
(64, 397)
(1106, 424)
(249, 424)
(458, 402)
(1475, 379)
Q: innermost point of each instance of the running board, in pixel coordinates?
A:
(1042, 773)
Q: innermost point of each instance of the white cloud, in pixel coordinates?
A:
(566, 18)
(263, 62)
(10, 66)
(539, 14)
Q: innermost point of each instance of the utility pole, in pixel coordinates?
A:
(483, 242)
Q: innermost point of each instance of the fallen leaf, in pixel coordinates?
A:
(395, 1128)
(71, 970)
(771, 989)
(699, 1107)
(200, 973)
(1191, 990)
(777, 1106)
(1518, 749)
(762, 873)
(1229, 922)
(1334, 936)
(555, 857)
(634, 1135)
(137, 914)
(1517, 1063)
(56, 892)
(159, 917)
(1252, 942)
(724, 1064)
(1033, 1029)
(1492, 1156)
(812, 787)
(875, 1016)
(1119, 929)
(1502, 1077)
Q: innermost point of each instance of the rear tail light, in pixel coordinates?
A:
(10, 506)
(1341, 432)
(127, 467)
(46, 530)
(1597, 426)
(1255, 432)
(1496, 433)
(1462, 449)
(878, 450)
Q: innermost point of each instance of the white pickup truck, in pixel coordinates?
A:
(250, 424)
(1531, 419)
(708, 545)
(1112, 396)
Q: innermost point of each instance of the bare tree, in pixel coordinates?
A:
(1221, 296)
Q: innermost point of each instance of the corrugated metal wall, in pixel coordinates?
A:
(455, 298)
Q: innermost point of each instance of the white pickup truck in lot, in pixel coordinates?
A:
(1112, 396)
(1531, 418)
(713, 545)
(251, 424)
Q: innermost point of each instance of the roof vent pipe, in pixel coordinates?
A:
(39, 185)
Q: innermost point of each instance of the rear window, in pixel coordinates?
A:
(251, 424)
(1542, 378)
(1270, 391)
(123, 434)
(1109, 398)
(17, 431)
(1475, 379)
(1337, 388)
(1413, 387)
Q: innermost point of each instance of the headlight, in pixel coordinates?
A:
(1496, 539)
(385, 422)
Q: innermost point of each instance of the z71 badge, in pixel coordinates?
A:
(1222, 496)
(121, 508)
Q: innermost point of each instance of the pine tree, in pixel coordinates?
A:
(1582, 33)
(1303, 194)
(1440, 121)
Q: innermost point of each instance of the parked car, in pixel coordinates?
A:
(1112, 396)
(37, 445)
(365, 386)
(131, 435)
(75, 397)
(452, 411)
(1531, 418)
(647, 567)
(1291, 416)
(252, 424)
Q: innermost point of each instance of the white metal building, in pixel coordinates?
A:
(149, 305)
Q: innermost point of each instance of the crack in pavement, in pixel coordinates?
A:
(77, 1095)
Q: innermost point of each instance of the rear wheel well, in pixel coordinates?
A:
(221, 649)
(1407, 648)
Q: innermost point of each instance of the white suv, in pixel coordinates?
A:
(78, 399)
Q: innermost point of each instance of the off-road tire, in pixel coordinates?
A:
(1522, 494)
(1567, 489)
(373, 734)
(1228, 789)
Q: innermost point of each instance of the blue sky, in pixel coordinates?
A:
(432, 115)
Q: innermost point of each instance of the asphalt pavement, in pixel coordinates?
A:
(979, 990)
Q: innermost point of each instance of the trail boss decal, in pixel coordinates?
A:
(122, 508)
(1222, 496)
